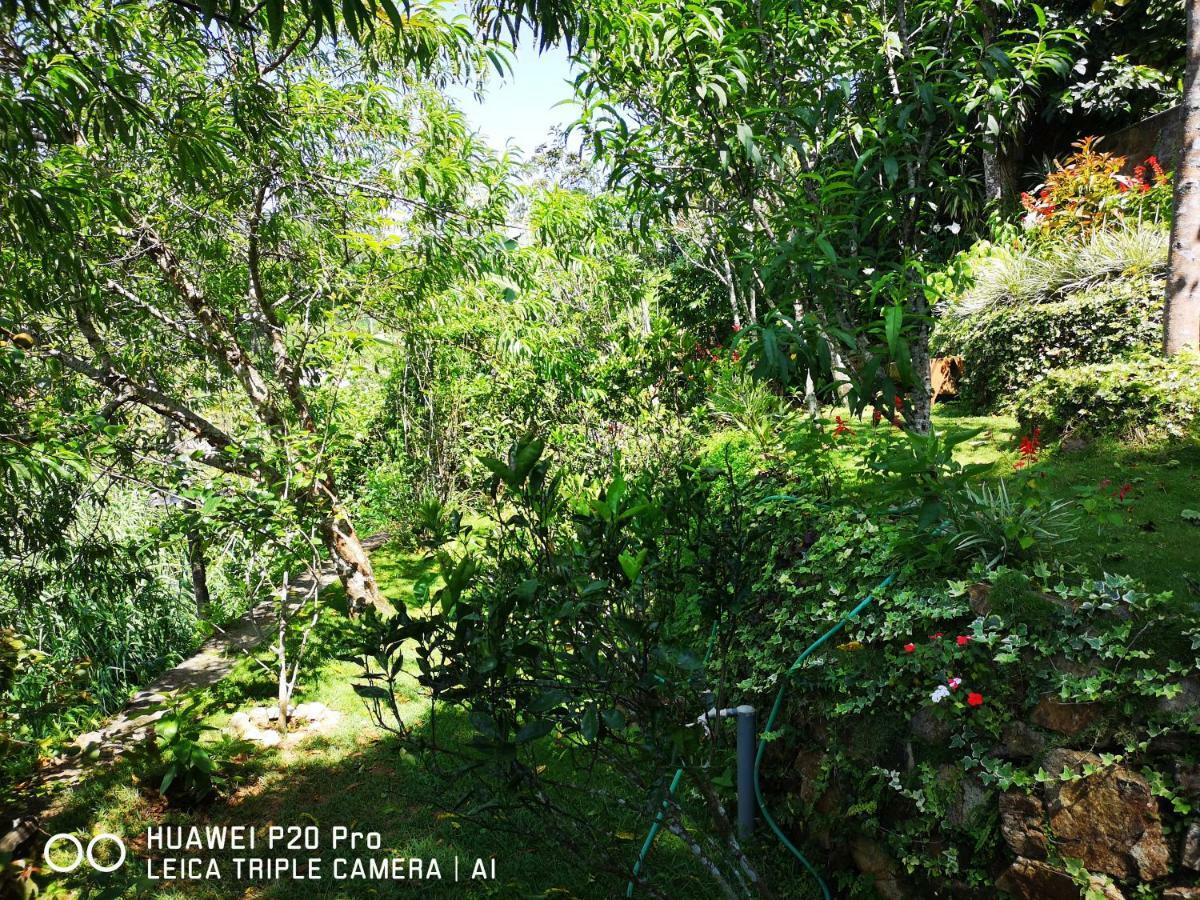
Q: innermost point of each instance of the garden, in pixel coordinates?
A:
(782, 482)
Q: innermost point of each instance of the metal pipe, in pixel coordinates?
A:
(746, 738)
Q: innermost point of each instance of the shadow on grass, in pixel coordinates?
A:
(363, 781)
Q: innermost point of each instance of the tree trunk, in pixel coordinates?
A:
(920, 402)
(199, 569)
(1000, 176)
(352, 564)
(1181, 316)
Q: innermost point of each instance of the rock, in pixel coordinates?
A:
(926, 726)
(969, 795)
(1187, 780)
(1181, 893)
(873, 861)
(1064, 718)
(1189, 856)
(88, 741)
(1187, 700)
(1031, 879)
(1021, 741)
(239, 723)
(978, 598)
(269, 738)
(1022, 824)
(1108, 820)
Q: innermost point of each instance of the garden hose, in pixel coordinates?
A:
(762, 744)
(658, 818)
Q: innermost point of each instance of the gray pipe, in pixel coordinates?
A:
(745, 770)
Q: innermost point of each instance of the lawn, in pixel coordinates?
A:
(355, 776)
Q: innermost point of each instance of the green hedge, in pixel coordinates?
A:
(1011, 347)
(1136, 397)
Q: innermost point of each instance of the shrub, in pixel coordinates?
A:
(1004, 527)
(1133, 398)
(1087, 191)
(1009, 347)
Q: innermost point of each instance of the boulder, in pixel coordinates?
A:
(1187, 780)
(1022, 824)
(978, 595)
(1021, 741)
(1186, 701)
(1065, 718)
(1031, 879)
(1189, 855)
(927, 726)
(1108, 820)
(874, 862)
(1181, 893)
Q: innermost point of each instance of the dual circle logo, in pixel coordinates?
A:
(81, 854)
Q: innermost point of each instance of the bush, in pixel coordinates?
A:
(1134, 398)
(1010, 347)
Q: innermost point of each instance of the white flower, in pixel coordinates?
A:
(940, 694)
(954, 683)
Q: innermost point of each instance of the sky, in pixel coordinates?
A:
(521, 108)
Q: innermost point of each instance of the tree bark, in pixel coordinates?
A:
(199, 570)
(1181, 316)
(351, 562)
(920, 401)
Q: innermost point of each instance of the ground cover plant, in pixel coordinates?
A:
(360, 471)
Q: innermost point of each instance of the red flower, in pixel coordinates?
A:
(955, 683)
(737, 327)
(898, 402)
(1125, 489)
(962, 640)
(910, 648)
(974, 699)
(1145, 188)
(1019, 464)
(935, 637)
(842, 427)
(876, 416)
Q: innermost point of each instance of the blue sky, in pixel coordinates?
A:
(521, 108)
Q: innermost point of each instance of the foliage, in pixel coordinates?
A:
(1008, 347)
(187, 770)
(1086, 192)
(1021, 272)
(1135, 397)
(570, 627)
(1006, 528)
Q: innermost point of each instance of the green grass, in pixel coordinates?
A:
(356, 776)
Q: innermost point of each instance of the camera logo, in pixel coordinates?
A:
(81, 854)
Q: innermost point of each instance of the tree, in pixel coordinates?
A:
(194, 267)
(1181, 315)
(825, 160)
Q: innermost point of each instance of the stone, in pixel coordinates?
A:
(928, 727)
(1022, 824)
(269, 738)
(239, 723)
(1181, 893)
(1021, 741)
(978, 596)
(1108, 820)
(874, 862)
(88, 741)
(1189, 856)
(1186, 701)
(1031, 879)
(1064, 718)
(970, 795)
(1187, 780)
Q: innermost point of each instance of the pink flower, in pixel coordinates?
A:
(937, 637)
(910, 648)
(974, 699)
(955, 683)
(962, 640)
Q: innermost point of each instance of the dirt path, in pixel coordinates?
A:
(214, 660)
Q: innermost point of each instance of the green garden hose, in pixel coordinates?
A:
(762, 806)
(762, 744)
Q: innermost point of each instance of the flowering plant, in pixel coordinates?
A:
(1087, 190)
